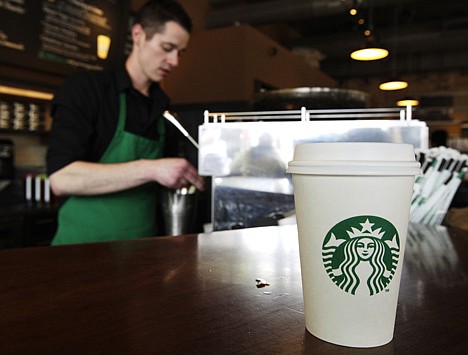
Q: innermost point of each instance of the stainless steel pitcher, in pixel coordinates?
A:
(179, 207)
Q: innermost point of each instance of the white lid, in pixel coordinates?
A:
(354, 158)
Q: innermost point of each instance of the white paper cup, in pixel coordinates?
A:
(352, 204)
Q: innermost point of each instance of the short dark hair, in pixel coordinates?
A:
(154, 14)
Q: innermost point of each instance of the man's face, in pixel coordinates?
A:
(160, 54)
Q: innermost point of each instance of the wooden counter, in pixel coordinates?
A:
(198, 294)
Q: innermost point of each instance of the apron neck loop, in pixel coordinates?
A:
(122, 111)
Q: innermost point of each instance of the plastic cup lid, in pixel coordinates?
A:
(349, 158)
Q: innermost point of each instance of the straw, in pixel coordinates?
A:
(443, 170)
(452, 190)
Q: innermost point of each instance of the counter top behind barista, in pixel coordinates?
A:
(12, 200)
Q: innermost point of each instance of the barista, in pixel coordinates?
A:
(108, 147)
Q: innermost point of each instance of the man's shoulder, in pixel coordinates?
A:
(85, 85)
(93, 79)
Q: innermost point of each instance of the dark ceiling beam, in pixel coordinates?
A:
(420, 47)
(283, 10)
(218, 2)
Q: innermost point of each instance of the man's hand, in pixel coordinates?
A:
(176, 173)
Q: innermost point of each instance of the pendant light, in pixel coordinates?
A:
(370, 49)
(407, 101)
(369, 52)
(394, 83)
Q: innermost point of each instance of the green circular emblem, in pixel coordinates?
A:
(360, 254)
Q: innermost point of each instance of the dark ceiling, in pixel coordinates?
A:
(426, 35)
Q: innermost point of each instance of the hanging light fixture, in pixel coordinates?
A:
(393, 83)
(370, 52)
(371, 49)
(408, 101)
(353, 10)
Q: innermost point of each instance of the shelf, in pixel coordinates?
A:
(23, 132)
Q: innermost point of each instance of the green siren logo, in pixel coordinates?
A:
(360, 254)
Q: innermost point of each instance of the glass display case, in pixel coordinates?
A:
(246, 154)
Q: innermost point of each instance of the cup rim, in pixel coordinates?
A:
(355, 167)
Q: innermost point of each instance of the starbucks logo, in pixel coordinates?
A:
(360, 254)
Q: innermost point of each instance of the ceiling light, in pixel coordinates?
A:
(393, 85)
(370, 50)
(408, 102)
(370, 53)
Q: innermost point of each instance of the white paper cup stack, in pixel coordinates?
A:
(352, 204)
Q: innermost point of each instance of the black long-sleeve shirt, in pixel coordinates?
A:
(85, 114)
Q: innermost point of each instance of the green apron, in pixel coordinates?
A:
(122, 215)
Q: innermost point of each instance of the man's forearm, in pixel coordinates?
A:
(85, 178)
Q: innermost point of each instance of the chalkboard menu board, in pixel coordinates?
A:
(61, 36)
